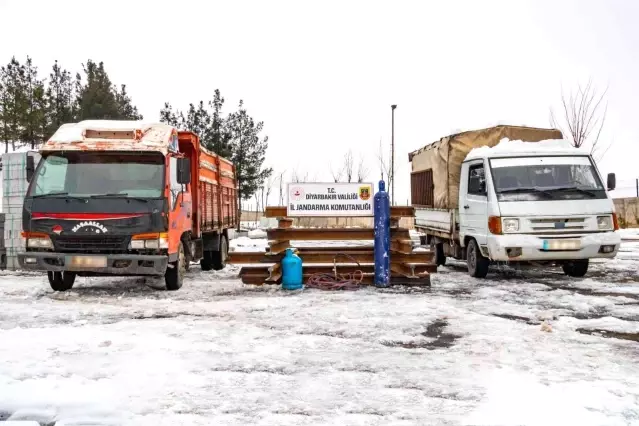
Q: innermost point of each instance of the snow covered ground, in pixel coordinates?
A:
(520, 348)
(630, 234)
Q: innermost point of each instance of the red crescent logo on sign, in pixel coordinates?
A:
(297, 193)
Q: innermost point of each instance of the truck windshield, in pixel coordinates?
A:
(546, 178)
(83, 174)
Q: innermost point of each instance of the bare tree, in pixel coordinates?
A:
(384, 169)
(337, 173)
(348, 166)
(583, 117)
(362, 169)
(297, 177)
(267, 189)
(281, 185)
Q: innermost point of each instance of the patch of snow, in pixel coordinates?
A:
(507, 147)
(248, 244)
(220, 352)
(256, 234)
(33, 415)
(518, 398)
(74, 132)
(21, 148)
(20, 423)
(631, 234)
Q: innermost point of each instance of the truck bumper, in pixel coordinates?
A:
(108, 264)
(524, 247)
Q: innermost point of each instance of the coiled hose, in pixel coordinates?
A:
(335, 281)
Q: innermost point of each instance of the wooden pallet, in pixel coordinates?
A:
(407, 267)
(328, 255)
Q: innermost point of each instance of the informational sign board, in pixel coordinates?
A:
(330, 199)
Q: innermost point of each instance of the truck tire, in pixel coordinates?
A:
(576, 268)
(219, 257)
(477, 263)
(187, 261)
(206, 263)
(174, 277)
(61, 281)
(438, 250)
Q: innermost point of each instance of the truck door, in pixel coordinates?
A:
(180, 207)
(473, 202)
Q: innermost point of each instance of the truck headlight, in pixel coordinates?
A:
(604, 223)
(137, 244)
(36, 240)
(152, 241)
(511, 225)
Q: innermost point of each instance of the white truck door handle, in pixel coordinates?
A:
(466, 206)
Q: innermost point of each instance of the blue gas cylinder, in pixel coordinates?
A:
(292, 278)
(381, 207)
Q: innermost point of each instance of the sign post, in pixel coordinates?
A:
(330, 200)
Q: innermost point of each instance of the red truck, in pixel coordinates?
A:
(125, 198)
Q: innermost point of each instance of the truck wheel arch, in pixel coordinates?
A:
(189, 248)
(482, 249)
(478, 268)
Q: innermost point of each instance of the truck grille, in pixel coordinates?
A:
(91, 243)
(558, 224)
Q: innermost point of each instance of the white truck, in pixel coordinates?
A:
(513, 194)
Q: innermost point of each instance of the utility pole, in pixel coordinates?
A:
(393, 154)
(637, 182)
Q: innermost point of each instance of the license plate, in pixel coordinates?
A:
(87, 261)
(561, 245)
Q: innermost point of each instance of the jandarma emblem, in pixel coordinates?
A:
(364, 193)
(98, 228)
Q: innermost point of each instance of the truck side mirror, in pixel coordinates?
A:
(183, 171)
(612, 181)
(30, 168)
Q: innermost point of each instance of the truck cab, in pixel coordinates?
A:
(124, 198)
(535, 207)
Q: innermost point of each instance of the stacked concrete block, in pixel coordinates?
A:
(14, 189)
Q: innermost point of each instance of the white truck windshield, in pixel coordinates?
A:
(545, 178)
(83, 174)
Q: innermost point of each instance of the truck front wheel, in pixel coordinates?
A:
(576, 268)
(61, 281)
(174, 276)
(477, 263)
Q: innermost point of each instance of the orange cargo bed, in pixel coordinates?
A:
(218, 189)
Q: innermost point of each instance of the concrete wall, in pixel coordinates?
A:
(627, 211)
(249, 216)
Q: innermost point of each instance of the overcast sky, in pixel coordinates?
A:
(322, 75)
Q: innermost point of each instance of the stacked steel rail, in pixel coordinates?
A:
(407, 266)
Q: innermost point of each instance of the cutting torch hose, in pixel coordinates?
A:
(336, 281)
